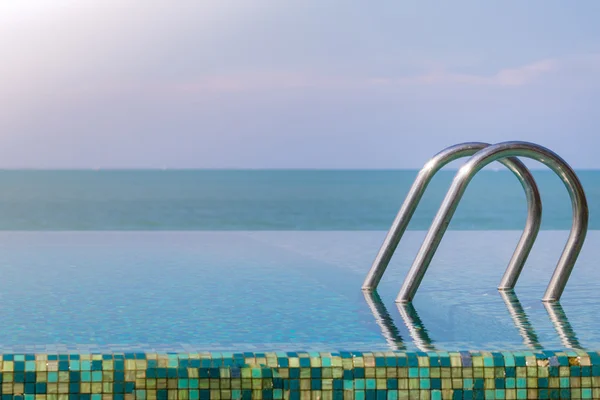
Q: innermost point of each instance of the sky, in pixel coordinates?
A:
(293, 84)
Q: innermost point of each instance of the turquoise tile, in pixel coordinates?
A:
(30, 366)
(52, 377)
(183, 384)
(509, 359)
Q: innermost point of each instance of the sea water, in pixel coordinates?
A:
(270, 200)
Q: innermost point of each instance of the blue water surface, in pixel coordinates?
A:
(269, 200)
(261, 291)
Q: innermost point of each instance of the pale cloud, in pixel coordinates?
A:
(569, 71)
(565, 69)
(251, 81)
(576, 71)
(525, 74)
(519, 76)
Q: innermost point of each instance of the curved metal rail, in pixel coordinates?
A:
(532, 226)
(459, 184)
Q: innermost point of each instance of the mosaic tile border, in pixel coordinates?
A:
(302, 375)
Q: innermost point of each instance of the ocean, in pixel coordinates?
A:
(256, 200)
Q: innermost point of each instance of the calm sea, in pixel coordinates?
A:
(269, 200)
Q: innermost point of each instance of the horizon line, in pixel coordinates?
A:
(161, 169)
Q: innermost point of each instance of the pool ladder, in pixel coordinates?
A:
(482, 155)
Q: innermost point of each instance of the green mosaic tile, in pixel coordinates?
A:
(380, 375)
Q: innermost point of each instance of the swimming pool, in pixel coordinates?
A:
(274, 294)
(273, 291)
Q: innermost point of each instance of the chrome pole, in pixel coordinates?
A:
(532, 226)
(459, 184)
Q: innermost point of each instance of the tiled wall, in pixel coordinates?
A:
(343, 375)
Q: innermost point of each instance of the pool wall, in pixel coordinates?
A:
(303, 375)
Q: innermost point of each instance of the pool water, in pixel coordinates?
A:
(283, 291)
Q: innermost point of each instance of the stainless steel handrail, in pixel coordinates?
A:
(459, 184)
(532, 226)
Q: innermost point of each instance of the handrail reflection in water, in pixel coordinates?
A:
(415, 326)
(388, 329)
(420, 336)
(561, 324)
(519, 317)
(557, 315)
